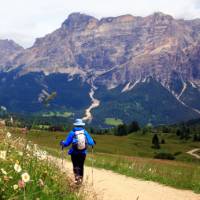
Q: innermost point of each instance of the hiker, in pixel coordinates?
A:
(80, 139)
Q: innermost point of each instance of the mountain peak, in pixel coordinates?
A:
(77, 21)
(8, 50)
(161, 16)
(7, 44)
(121, 18)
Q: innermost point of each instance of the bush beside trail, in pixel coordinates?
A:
(164, 156)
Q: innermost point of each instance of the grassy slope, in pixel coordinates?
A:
(132, 155)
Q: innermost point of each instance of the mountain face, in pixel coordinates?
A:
(8, 50)
(139, 68)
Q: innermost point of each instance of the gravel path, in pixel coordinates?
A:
(193, 153)
(112, 186)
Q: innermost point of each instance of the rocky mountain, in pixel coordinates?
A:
(128, 58)
(8, 51)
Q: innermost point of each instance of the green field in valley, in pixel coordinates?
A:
(113, 121)
(57, 114)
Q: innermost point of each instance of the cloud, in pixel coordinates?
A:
(25, 20)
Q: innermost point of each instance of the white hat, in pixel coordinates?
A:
(79, 122)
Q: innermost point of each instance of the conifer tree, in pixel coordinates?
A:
(156, 142)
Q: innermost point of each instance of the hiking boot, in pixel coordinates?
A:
(78, 180)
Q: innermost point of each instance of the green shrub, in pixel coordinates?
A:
(163, 141)
(155, 142)
(164, 156)
(177, 153)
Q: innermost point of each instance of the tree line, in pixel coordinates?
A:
(120, 130)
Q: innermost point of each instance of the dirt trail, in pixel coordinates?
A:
(193, 153)
(111, 186)
(95, 103)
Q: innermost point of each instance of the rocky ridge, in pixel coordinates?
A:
(8, 51)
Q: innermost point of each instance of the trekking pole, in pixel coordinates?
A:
(92, 165)
(62, 154)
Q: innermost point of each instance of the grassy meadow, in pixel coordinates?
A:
(57, 114)
(132, 155)
(113, 121)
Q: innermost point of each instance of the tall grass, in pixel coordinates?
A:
(26, 173)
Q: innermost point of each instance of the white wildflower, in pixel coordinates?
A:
(3, 171)
(8, 135)
(42, 155)
(28, 147)
(3, 155)
(20, 153)
(35, 153)
(15, 187)
(25, 177)
(150, 170)
(35, 147)
(17, 168)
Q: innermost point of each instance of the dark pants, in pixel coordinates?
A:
(78, 164)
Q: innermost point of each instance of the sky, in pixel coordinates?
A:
(25, 20)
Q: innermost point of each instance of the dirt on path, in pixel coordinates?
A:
(193, 153)
(112, 186)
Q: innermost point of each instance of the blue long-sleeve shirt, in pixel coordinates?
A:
(71, 139)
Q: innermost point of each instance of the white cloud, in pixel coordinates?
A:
(24, 20)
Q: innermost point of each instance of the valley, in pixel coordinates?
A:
(126, 67)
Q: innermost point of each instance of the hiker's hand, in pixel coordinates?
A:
(61, 143)
(94, 143)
